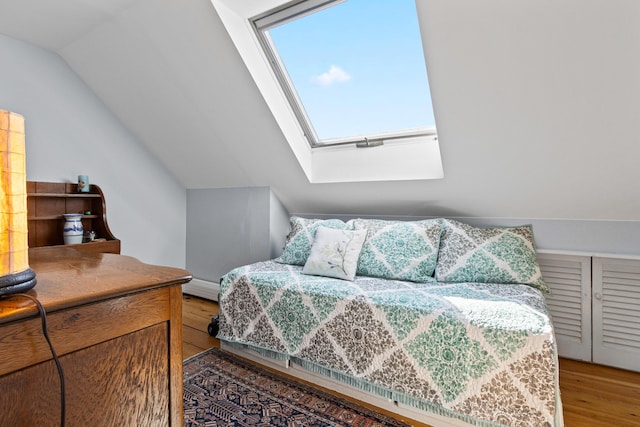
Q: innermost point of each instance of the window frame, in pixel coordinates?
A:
(261, 24)
(412, 159)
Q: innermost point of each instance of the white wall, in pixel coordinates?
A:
(536, 104)
(279, 226)
(231, 227)
(69, 131)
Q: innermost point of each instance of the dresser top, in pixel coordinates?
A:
(68, 278)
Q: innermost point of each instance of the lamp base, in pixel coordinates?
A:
(17, 282)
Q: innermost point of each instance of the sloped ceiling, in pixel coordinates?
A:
(536, 103)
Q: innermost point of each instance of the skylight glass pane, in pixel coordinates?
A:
(358, 68)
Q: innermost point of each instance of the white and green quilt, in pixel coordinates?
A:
(483, 353)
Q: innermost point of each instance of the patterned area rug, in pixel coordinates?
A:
(222, 390)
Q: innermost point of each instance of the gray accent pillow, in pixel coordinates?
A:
(488, 255)
(297, 246)
(399, 250)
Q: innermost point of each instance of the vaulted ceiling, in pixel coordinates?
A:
(536, 103)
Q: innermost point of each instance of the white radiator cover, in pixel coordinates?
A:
(595, 306)
(569, 279)
(616, 312)
(202, 288)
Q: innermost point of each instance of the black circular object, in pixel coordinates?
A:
(214, 326)
(18, 282)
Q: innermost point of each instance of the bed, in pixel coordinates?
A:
(411, 332)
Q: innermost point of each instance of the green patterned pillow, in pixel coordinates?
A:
(399, 250)
(298, 243)
(488, 255)
(335, 253)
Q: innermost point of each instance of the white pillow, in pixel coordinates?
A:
(335, 253)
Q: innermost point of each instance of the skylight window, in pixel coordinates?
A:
(413, 151)
(352, 71)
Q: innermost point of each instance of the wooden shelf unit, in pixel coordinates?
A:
(48, 201)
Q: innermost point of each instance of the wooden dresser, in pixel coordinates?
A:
(115, 323)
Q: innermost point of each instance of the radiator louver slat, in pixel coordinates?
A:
(616, 331)
(566, 299)
(568, 278)
(615, 290)
(627, 318)
(616, 317)
(623, 340)
(619, 305)
(621, 326)
(629, 276)
(561, 310)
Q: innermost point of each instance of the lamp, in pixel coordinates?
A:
(15, 273)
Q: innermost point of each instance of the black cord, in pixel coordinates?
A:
(43, 316)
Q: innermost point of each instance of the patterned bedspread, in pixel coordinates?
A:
(481, 353)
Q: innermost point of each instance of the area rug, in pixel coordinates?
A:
(221, 390)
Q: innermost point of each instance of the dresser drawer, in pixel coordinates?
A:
(22, 343)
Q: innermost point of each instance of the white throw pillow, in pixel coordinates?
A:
(335, 253)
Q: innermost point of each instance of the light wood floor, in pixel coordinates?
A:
(592, 395)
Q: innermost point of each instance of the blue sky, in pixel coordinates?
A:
(358, 67)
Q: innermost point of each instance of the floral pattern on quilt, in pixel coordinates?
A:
(402, 250)
(399, 374)
(451, 355)
(502, 396)
(480, 352)
(488, 255)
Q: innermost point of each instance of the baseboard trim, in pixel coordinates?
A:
(202, 288)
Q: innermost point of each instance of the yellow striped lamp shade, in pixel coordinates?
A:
(15, 274)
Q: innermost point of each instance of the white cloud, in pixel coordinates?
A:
(334, 75)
